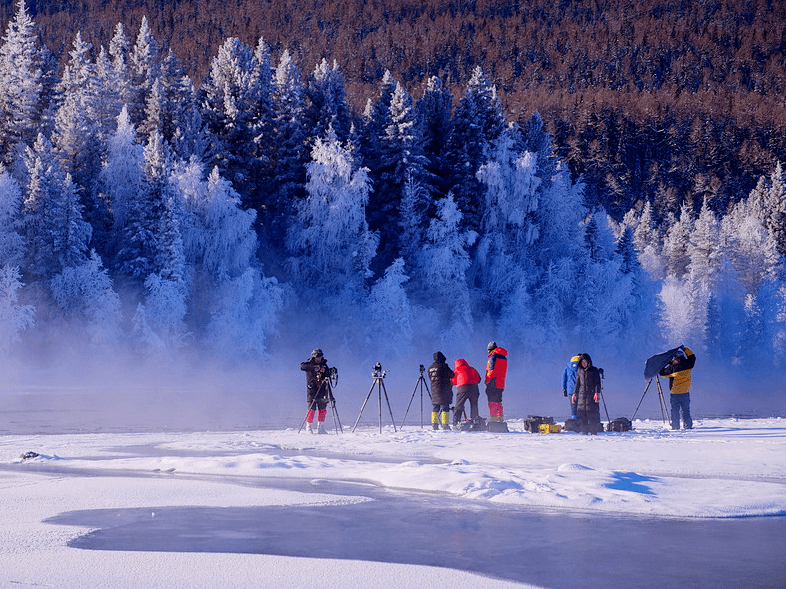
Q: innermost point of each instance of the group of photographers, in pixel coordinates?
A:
(580, 378)
(585, 382)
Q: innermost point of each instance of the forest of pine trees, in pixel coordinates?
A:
(138, 205)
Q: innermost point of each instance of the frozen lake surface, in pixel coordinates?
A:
(544, 548)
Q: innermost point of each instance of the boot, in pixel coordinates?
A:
(445, 420)
(435, 420)
(310, 427)
(321, 428)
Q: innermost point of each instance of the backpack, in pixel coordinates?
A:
(533, 422)
(571, 425)
(621, 424)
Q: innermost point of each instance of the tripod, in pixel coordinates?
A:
(602, 397)
(664, 411)
(379, 382)
(328, 383)
(421, 382)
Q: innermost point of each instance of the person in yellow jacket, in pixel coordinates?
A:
(678, 371)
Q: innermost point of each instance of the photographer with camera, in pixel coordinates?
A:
(441, 377)
(678, 371)
(318, 391)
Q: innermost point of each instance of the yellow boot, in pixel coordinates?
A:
(435, 419)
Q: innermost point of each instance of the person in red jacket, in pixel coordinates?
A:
(496, 370)
(466, 380)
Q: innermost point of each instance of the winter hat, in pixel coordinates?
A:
(439, 357)
(316, 352)
(492, 345)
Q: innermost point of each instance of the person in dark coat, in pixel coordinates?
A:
(586, 396)
(467, 380)
(318, 393)
(441, 390)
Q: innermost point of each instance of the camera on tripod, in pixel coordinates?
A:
(378, 372)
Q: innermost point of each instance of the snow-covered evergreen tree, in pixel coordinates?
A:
(14, 318)
(327, 102)
(235, 103)
(143, 71)
(477, 123)
(291, 150)
(76, 137)
(508, 224)
(443, 267)
(12, 246)
(21, 82)
(55, 232)
(434, 111)
(676, 243)
(330, 241)
(390, 313)
(85, 293)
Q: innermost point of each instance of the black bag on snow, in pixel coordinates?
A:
(621, 424)
(571, 425)
(476, 425)
(533, 422)
(498, 427)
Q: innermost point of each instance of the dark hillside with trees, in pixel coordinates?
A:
(669, 101)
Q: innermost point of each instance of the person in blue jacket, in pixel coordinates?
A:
(569, 382)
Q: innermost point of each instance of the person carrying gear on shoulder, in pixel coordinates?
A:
(318, 392)
(467, 380)
(679, 373)
(586, 396)
(569, 381)
(441, 391)
(496, 371)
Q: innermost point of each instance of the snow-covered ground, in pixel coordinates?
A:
(724, 468)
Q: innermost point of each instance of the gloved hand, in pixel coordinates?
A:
(573, 398)
(597, 398)
(564, 393)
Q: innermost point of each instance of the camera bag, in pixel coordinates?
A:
(621, 424)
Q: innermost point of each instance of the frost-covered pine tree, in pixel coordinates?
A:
(143, 71)
(20, 82)
(230, 295)
(559, 216)
(477, 123)
(85, 292)
(12, 246)
(327, 102)
(330, 241)
(121, 180)
(234, 101)
(434, 111)
(443, 266)
(390, 313)
(773, 196)
(76, 136)
(291, 145)
(749, 246)
(705, 252)
(55, 233)
(510, 198)
(220, 238)
(14, 318)
(400, 157)
(677, 241)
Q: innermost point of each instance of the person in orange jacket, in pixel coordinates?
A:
(678, 371)
(496, 370)
(466, 380)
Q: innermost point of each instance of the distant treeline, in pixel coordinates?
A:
(667, 101)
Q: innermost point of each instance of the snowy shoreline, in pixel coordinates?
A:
(725, 469)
